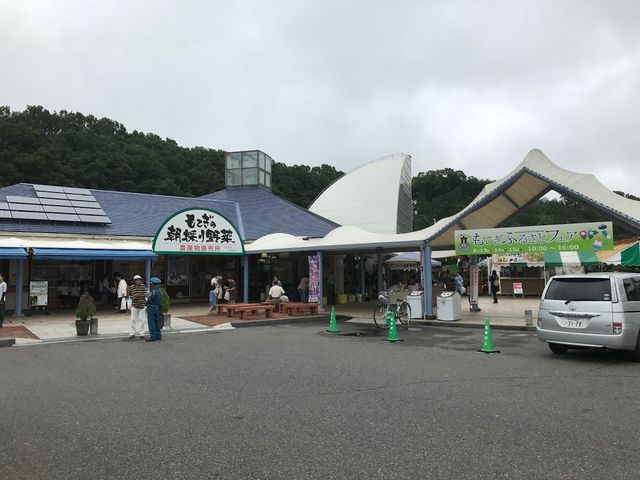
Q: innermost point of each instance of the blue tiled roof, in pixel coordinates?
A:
(140, 214)
(263, 212)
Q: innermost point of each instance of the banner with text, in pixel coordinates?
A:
(198, 231)
(314, 278)
(575, 237)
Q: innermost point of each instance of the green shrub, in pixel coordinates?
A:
(165, 303)
(86, 308)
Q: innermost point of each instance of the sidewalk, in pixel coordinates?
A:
(60, 325)
(507, 314)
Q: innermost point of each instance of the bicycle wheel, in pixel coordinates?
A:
(404, 313)
(380, 316)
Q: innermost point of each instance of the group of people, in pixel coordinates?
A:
(145, 306)
(222, 292)
(458, 283)
(69, 293)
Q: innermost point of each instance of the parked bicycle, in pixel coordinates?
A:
(402, 310)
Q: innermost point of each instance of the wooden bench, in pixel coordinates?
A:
(254, 309)
(291, 308)
(231, 308)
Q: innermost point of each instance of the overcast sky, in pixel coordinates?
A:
(472, 85)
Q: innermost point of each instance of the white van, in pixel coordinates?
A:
(599, 310)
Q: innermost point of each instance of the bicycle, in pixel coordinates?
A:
(402, 310)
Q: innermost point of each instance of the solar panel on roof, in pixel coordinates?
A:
(16, 199)
(55, 201)
(94, 219)
(25, 207)
(63, 217)
(82, 198)
(57, 209)
(29, 215)
(75, 203)
(52, 195)
(47, 188)
(77, 191)
(90, 211)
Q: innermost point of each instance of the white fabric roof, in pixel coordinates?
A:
(367, 197)
(494, 205)
(62, 242)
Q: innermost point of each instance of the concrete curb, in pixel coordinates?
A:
(7, 341)
(279, 321)
(458, 324)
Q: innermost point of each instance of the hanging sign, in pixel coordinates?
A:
(198, 231)
(576, 237)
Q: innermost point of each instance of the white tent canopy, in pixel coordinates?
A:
(495, 205)
(411, 259)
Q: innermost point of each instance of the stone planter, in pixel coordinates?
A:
(82, 327)
(93, 326)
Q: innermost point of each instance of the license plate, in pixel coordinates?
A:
(574, 323)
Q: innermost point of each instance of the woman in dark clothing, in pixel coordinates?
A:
(494, 281)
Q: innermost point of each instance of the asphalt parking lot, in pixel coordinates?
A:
(293, 402)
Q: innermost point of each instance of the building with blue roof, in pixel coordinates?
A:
(68, 236)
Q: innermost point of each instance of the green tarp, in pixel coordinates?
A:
(631, 255)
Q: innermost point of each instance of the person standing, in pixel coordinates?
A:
(303, 289)
(213, 296)
(138, 293)
(3, 297)
(232, 291)
(459, 284)
(153, 311)
(121, 294)
(494, 281)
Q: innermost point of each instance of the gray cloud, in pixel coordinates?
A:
(464, 84)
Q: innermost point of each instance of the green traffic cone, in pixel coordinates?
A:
(487, 342)
(333, 324)
(388, 318)
(393, 331)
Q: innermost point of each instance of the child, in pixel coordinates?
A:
(213, 295)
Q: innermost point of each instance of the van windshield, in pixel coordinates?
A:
(579, 289)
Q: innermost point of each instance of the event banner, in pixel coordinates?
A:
(575, 237)
(314, 278)
(198, 231)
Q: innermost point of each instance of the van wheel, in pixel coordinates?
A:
(635, 353)
(557, 348)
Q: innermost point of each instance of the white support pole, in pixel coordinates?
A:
(320, 277)
(428, 281)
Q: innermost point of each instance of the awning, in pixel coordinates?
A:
(630, 256)
(12, 253)
(561, 259)
(91, 254)
(408, 261)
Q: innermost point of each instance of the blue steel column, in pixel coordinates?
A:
(245, 279)
(428, 281)
(380, 274)
(19, 286)
(320, 277)
(147, 272)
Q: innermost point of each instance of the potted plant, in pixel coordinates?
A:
(86, 309)
(165, 305)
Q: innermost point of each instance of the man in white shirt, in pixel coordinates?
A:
(3, 297)
(275, 293)
(122, 294)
